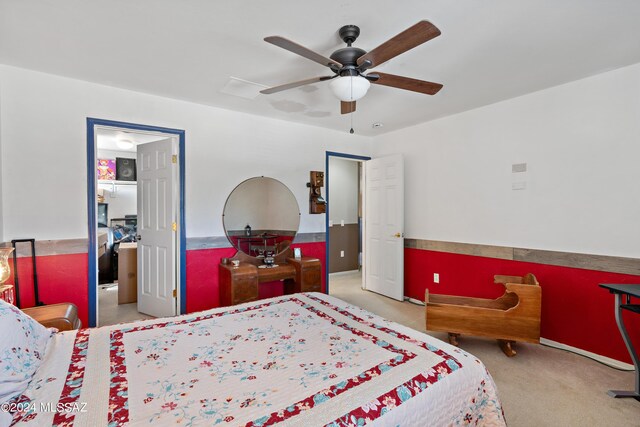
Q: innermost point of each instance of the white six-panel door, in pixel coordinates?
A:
(384, 226)
(157, 228)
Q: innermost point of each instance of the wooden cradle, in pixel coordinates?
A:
(515, 316)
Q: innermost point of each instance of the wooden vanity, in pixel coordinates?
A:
(261, 218)
(239, 284)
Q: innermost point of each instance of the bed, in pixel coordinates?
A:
(302, 359)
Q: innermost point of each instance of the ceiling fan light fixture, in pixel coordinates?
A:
(349, 88)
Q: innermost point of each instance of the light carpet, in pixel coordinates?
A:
(112, 313)
(540, 386)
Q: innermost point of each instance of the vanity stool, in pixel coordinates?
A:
(63, 317)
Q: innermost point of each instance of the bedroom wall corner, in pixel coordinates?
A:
(579, 143)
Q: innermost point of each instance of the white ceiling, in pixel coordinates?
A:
(489, 50)
(108, 138)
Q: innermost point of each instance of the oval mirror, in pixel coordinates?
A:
(261, 217)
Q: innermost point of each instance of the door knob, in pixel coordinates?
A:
(398, 235)
(138, 237)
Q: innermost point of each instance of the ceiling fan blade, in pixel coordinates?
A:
(413, 36)
(301, 50)
(406, 83)
(295, 84)
(347, 107)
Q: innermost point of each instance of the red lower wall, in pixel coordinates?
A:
(64, 278)
(202, 275)
(61, 278)
(575, 310)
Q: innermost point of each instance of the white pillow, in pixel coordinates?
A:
(23, 342)
(5, 418)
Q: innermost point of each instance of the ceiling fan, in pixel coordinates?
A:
(349, 82)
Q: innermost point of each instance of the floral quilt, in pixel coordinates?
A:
(302, 359)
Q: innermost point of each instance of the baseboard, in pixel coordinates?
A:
(413, 300)
(602, 359)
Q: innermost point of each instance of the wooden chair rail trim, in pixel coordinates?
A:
(611, 264)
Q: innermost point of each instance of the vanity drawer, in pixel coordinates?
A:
(310, 280)
(237, 284)
(245, 289)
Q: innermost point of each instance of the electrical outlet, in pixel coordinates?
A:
(436, 278)
(341, 254)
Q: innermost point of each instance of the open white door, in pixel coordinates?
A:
(157, 225)
(384, 226)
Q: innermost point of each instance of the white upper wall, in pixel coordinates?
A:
(581, 143)
(579, 140)
(343, 191)
(44, 150)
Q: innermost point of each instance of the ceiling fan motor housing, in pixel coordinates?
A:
(347, 56)
(349, 33)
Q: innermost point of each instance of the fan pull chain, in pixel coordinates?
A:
(351, 113)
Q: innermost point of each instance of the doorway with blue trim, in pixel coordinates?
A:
(344, 261)
(115, 228)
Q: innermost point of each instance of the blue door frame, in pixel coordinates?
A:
(91, 207)
(326, 178)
